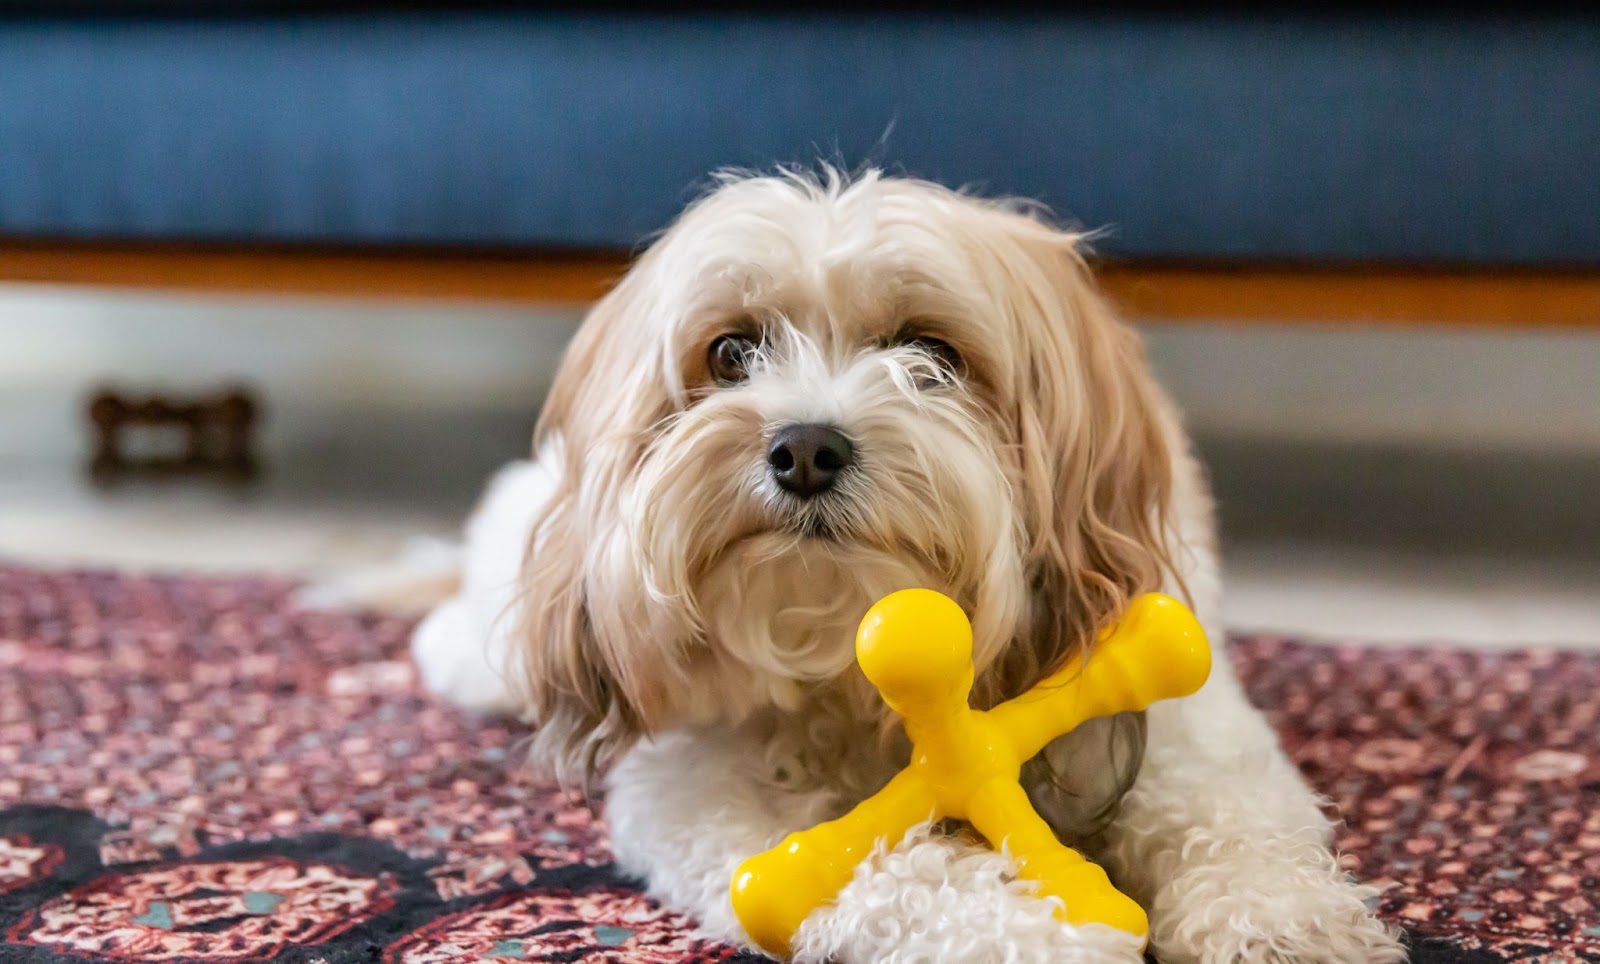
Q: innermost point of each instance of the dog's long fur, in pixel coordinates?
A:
(683, 625)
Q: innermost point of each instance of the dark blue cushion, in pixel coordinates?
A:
(1416, 139)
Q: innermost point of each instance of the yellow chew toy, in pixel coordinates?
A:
(916, 648)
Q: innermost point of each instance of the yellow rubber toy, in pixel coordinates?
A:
(916, 648)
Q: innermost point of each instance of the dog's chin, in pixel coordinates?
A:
(784, 602)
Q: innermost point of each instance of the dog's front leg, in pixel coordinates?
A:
(1228, 849)
(686, 808)
(937, 898)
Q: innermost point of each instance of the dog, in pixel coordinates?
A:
(815, 389)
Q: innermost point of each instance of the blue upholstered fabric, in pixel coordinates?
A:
(1416, 139)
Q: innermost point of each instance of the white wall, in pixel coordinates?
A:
(1449, 387)
(333, 372)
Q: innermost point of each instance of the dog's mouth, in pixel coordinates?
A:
(816, 528)
(819, 519)
(803, 526)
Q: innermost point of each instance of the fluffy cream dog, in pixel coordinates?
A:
(812, 392)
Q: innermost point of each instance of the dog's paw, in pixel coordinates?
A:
(457, 663)
(1277, 904)
(940, 899)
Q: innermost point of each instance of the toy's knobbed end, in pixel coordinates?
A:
(766, 916)
(774, 892)
(915, 646)
(1177, 658)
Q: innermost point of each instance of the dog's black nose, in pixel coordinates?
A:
(807, 459)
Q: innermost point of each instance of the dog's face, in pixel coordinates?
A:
(806, 396)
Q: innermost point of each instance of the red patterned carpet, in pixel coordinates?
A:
(192, 770)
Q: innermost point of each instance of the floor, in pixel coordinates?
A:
(1410, 588)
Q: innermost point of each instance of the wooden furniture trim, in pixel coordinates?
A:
(1380, 294)
(1389, 295)
(539, 276)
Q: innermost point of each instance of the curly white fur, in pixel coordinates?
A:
(938, 898)
(677, 617)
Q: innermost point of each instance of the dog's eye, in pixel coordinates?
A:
(941, 351)
(729, 358)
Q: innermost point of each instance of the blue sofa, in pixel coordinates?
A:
(1348, 139)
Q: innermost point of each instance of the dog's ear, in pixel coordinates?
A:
(582, 676)
(1092, 430)
(610, 386)
(1095, 466)
(569, 680)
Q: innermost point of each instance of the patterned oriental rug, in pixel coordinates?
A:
(193, 770)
